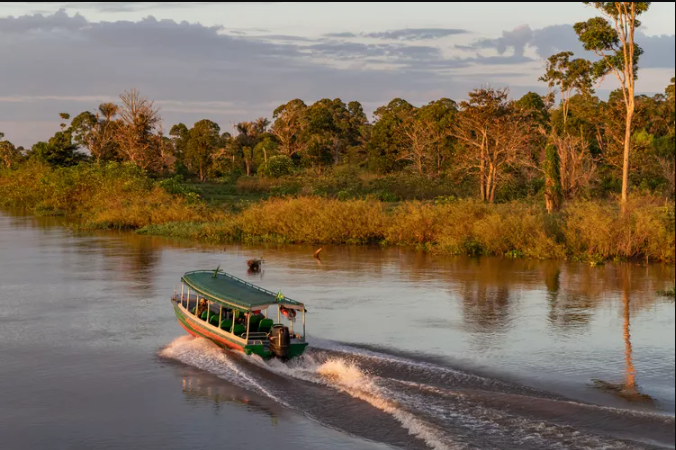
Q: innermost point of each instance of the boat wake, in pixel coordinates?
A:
(414, 404)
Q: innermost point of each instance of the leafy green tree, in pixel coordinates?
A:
(248, 137)
(204, 140)
(568, 77)
(96, 132)
(59, 151)
(360, 133)
(325, 134)
(536, 107)
(388, 143)
(612, 38)
(277, 166)
(289, 127)
(64, 117)
(180, 135)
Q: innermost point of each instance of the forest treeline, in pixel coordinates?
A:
(490, 145)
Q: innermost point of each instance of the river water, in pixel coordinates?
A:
(408, 350)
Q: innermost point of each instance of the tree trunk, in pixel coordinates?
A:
(627, 148)
(482, 174)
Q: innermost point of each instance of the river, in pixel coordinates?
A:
(407, 350)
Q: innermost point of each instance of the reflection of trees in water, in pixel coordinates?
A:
(628, 388)
(126, 257)
(486, 309)
(566, 309)
(219, 393)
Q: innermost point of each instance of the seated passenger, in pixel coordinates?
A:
(201, 308)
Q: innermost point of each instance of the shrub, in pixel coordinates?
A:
(277, 166)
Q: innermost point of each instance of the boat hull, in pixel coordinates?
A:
(199, 328)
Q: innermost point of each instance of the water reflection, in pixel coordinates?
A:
(486, 309)
(627, 389)
(201, 387)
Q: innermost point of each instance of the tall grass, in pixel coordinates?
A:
(109, 196)
(118, 196)
(584, 230)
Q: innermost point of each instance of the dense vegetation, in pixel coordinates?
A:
(537, 176)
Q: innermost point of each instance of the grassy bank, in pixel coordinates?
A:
(121, 197)
(584, 230)
(111, 196)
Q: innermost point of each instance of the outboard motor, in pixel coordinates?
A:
(280, 341)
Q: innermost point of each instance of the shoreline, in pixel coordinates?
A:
(120, 197)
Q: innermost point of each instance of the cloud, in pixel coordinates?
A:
(406, 34)
(416, 34)
(53, 63)
(119, 7)
(659, 50)
(40, 23)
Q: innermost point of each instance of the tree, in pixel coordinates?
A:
(323, 135)
(204, 140)
(64, 117)
(495, 132)
(612, 38)
(568, 77)
(552, 179)
(671, 106)
(9, 154)
(429, 130)
(388, 142)
(360, 132)
(96, 132)
(60, 150)
(248, 137)
(289, 126)
(139, 120)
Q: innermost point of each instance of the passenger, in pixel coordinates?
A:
(201, 308)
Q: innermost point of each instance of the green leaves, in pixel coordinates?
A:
(597, 35)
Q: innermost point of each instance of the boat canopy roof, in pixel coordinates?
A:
(224, 288)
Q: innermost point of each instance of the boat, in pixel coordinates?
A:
(236, 314)
(254, 265)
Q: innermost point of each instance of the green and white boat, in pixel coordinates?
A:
(236, 314)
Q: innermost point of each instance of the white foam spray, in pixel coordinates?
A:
(207, 356)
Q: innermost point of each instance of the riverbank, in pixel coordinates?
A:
(121, 197)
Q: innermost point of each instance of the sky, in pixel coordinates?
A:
(236, 61)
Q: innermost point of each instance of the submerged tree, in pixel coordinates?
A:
(612, 38)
